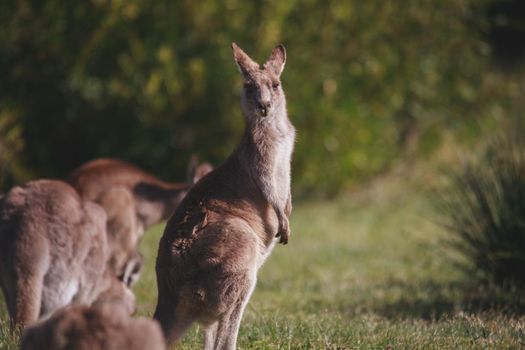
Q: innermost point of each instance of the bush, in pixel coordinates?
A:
(485, 212)
(154, 82)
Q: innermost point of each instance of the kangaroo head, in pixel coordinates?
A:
(262, 97)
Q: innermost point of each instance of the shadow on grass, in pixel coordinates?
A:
(432, 301)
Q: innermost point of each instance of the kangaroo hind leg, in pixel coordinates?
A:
(210, 333)
(229, 323)
(30, 270)
(174, 321)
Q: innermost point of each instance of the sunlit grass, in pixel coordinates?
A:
(367, 275)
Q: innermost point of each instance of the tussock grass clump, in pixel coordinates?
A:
(9, 339)
(485, 211)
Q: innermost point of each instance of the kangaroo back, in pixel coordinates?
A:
(53, 251)
(93, 328)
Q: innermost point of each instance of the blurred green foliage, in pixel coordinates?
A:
(153, 82)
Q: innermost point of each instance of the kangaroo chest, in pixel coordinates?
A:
(273, 150)
(281, 169)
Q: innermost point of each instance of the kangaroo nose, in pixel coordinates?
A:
(263, 107)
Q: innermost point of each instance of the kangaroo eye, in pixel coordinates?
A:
(249, 87)
(275, 86)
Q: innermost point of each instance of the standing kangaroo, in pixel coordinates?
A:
(53, 251)
(225, 228)
(133, 200)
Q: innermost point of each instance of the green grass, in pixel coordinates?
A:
(362, 274)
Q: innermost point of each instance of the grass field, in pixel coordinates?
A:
(364, 272)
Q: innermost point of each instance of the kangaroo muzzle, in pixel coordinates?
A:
(263, 108)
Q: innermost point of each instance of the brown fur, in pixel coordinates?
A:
(53, 249)
(133, 200)
(226, 226)
(93, 328)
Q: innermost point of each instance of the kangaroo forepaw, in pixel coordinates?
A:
(283, 233)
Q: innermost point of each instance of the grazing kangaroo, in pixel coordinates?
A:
(225, 228)
(93, 328)
(133, 200)
(53, 251)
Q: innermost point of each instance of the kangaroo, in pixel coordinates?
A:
(53, 251)
(225, 227)
(133, 200)
(93, 328)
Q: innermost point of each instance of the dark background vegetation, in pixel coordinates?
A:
(369, 83)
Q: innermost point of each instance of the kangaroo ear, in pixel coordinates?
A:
(197, 171)
(244, 63)
(277, 60)
(192, 169)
